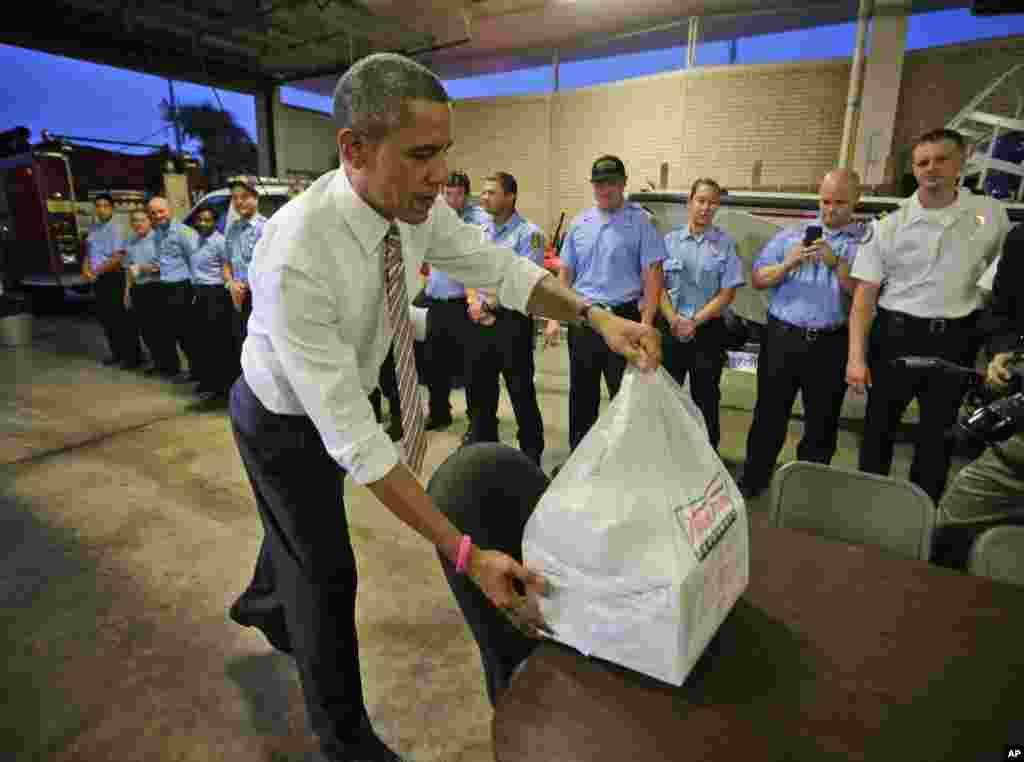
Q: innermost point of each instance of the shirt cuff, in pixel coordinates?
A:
(372, 459)
(519, 280)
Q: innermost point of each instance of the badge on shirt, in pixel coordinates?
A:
(537, 242)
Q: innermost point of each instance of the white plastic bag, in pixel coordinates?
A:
(642, 535)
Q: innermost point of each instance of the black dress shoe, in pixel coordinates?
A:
(151, 371)
(182, 378)
(278, 639)
(435, 423)
(110, 362)
(131, 365)
(210, 400)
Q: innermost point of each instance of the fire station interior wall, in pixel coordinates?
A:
(306, 143)
(770, 126)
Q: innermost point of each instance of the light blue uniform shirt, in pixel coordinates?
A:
(607, 253)
(520, 235)
(208, 260)
(699, 266)
(241, 240)
(103, 240)
(439, 285)
(810, 296)
(142, 252)
(174, 244)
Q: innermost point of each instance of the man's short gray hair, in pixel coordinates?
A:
(371, 96)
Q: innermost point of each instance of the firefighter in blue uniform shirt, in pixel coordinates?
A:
(142, 295)
(212, 314)
(805, 342)
(702, 273)
(448, 324)
(242, 236)
(612, 255)
(501, 341)
(175, 244)
(101, 266)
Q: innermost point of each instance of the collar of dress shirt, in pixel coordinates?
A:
(509, 223)
(947, 214)
(711, 233)
(366, 224)
(850, 229)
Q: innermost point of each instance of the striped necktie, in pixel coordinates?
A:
(414, 437)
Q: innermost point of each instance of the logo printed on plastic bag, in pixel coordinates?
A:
(706, 519)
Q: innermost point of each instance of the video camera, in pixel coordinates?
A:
(991, 423)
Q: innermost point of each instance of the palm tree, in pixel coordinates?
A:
(225, 146)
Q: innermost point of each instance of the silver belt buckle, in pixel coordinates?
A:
(937, 325)
(811, 334)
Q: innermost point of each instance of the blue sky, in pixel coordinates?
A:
(90, 100)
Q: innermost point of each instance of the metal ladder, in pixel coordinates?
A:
(983, 129)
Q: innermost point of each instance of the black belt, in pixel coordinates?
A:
(447, 299)
(807, 334)
(617, 308)
(931, 325)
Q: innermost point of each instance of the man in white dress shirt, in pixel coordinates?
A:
(319, 331)
(921, 268)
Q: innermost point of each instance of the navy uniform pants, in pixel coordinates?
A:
(589, 360)
(895, 335)
(217, 364)
(448, 326)
(118, 323)
(702, 359)
(791, 360)
(505, 348)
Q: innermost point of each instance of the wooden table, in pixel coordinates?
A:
(835, 652)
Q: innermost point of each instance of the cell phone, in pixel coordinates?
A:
(812, 234)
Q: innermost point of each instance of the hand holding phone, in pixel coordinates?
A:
(811, 234)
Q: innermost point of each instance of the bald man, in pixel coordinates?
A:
(804, 345)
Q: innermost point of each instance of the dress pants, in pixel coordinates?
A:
(240, 322)
(303, 590)
(146, 309)
(118, 323)
(939, 395)
(176, 319)
(448, 326)
(388, 380)
(702, 359)
(505, 348)
(589, 359)
(488, 491)
(794, 360)
(212, 315)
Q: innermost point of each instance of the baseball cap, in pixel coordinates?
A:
(607, 168)
(245, 181)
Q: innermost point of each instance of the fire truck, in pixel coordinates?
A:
(46, 195)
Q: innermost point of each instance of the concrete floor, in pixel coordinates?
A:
(127, 528)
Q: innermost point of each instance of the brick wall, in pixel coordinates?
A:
(507, 134)
(789, 117)
(715, 121)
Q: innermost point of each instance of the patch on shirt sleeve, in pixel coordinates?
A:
(537, 242)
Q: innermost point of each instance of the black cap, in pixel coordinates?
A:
(245, 181)
(607, 168)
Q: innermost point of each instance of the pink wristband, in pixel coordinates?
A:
(464, 548)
